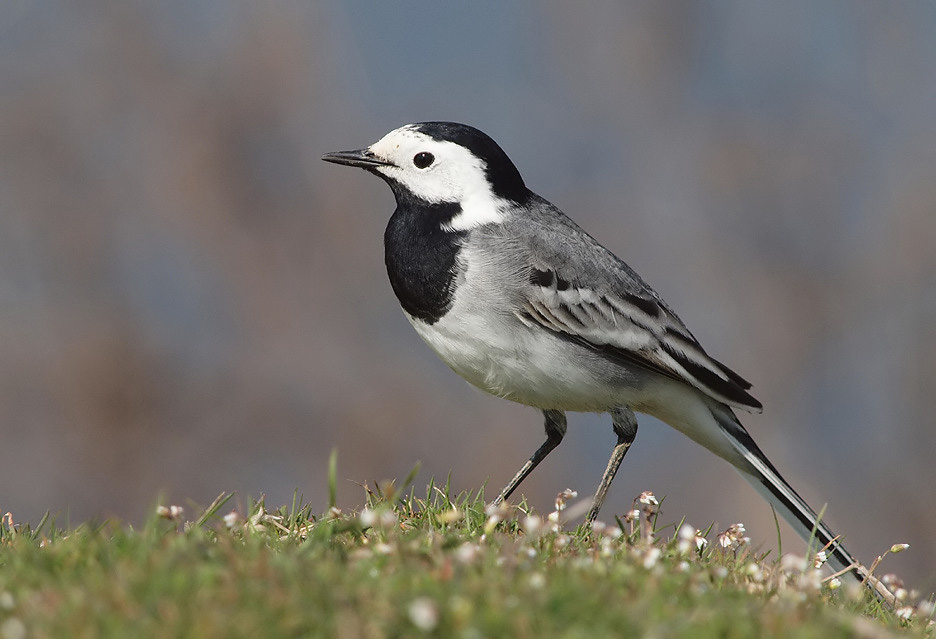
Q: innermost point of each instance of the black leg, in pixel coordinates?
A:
(625, 427)
(555, 431)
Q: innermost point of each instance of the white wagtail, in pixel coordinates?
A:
(524, 304)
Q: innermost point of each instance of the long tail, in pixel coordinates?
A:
(765, 478)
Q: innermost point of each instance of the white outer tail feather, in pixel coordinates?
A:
(795, 511)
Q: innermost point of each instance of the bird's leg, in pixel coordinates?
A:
(555, 431)
(625, 427)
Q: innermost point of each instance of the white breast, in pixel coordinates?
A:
(483, 341)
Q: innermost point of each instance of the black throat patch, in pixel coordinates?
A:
(421, 257)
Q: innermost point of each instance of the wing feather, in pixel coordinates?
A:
(631, 328)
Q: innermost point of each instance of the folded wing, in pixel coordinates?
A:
(632, 327)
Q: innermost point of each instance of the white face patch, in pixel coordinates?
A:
(455, 174)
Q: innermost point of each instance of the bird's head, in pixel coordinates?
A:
(443, 163)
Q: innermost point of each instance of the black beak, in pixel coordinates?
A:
(362, 158)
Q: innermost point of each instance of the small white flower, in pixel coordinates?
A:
(388, 518)
(424, 614)
(647, 498)
(835, 583)
(233, 519)
(733, 537)
(537, 581)
(606, 546)
(169, 512)
(466, 553)
(755, 572)
(819, 559)
(613, 532)
(904, 612)
(367, 518)
(563, 497)
(13, 628)
(650, 558)
(893, 582)
(685, 536)
(810, 580)
(532, 525)
(792, 563)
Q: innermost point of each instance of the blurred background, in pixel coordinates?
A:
(192, 302)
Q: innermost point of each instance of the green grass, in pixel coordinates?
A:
(410, 566)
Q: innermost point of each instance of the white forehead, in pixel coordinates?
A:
(408, 140)
(456, 174)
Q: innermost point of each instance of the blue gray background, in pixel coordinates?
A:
(191, 301)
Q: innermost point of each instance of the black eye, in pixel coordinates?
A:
(422, 160)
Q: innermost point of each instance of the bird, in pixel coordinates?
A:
(521, 302)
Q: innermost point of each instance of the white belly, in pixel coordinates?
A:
(525, 365)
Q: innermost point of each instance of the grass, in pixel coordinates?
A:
(433, 565)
